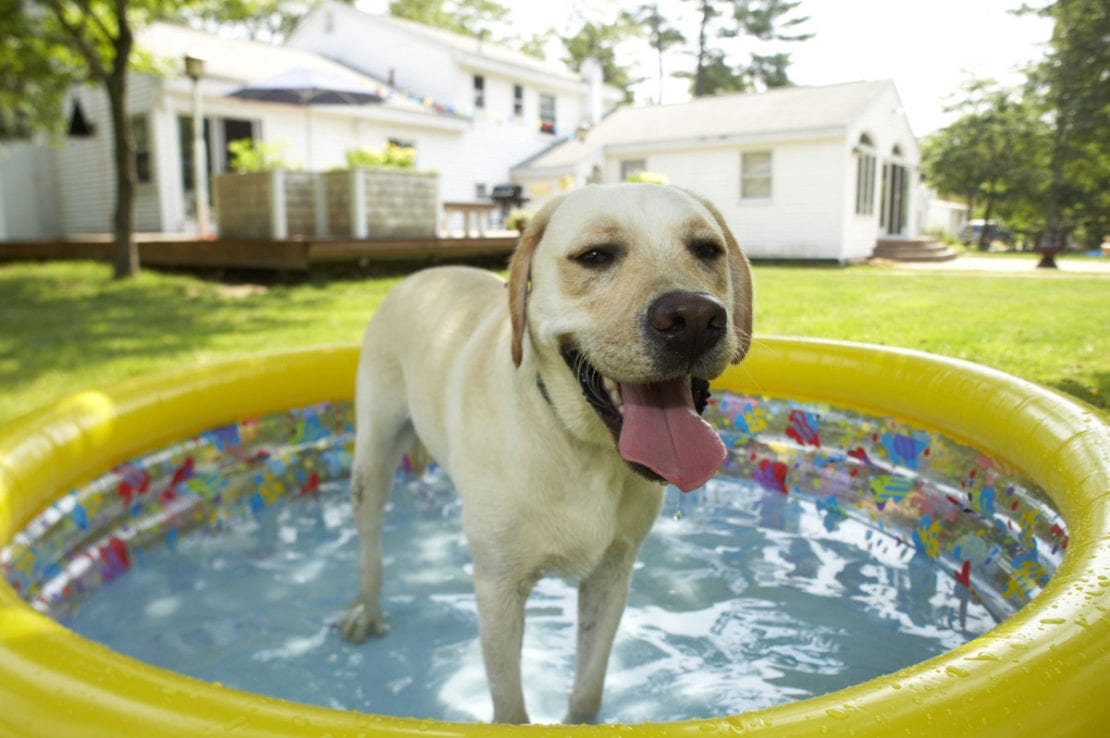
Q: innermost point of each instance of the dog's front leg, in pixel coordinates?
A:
(601, 599)
(501, 631)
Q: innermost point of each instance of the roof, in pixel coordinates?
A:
(478, 48)
(236, 62)
(783, 110)
(467, 51)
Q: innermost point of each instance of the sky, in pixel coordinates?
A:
(928, 47)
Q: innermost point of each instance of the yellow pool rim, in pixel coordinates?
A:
(1042, 672)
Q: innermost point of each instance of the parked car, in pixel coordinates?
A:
(995, 232)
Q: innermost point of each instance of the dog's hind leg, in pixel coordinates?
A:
(383, 433)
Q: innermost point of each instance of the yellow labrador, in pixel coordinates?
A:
(559, 407)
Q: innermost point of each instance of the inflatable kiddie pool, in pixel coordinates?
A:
(1042, 671)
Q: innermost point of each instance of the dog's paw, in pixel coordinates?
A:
(361, 622)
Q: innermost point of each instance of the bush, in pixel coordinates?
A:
(390, 157)
(647, 177)
(248, 155)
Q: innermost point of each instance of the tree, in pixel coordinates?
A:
(762, 20)
(992, 155)
(475, 18)
(661, 35)
(599, 41)
(1074, 84)
(35, 76)
(90, 41)
(257, 20)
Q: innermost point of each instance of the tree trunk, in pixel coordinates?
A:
(984, 241)
(125, 258)
(699, 73)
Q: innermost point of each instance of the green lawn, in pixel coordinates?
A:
(68, 326)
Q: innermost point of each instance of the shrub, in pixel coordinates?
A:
(391, 156)
(647, 177)
(248, 155)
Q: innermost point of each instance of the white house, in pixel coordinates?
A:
(77, 191)
(516, 105)
(471, 110)
(799, 172)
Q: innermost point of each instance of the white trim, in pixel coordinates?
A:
(706, 142)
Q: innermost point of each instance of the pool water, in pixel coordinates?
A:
(792, 574)
(740, 600)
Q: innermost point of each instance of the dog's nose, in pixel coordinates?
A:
(688, 323)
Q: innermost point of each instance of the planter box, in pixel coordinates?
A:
(380, 203)
(267, 205)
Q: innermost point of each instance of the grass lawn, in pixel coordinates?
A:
(68, 326)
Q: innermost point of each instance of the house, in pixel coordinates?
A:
(471, 110)
(798, 172)
(516, 105)
(78, 177)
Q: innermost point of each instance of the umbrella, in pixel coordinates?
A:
(306, 87)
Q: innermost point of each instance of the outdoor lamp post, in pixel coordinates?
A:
(194, 69)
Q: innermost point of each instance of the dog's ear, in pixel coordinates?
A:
(741, 277)
(520, 275)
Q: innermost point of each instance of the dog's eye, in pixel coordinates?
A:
(705, 249)
(596, 257)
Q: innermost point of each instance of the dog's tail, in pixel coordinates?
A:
(417, 459)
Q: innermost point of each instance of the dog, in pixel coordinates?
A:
(559, 404)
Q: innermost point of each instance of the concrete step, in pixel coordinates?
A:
(912, 249)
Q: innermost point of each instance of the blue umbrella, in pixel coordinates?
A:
(306, 87)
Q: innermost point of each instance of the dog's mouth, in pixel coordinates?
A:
(657, 426)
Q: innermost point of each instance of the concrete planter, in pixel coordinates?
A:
(268, 205)
(380, 203)
(348, 203)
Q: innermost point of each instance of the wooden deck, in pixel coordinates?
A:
(296, 255)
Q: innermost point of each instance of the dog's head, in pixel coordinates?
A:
(635, 295)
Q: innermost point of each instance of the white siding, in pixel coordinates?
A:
(28, 192)
(801, 220)
(494, 140)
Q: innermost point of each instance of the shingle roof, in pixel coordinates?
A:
(783, 110)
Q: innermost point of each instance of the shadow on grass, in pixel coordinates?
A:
(1097, 395)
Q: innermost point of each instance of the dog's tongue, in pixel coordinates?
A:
(664, 432)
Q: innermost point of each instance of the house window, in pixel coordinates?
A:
(518, 100)
(755, 175)
(140, 132)
(632, 166)
(865, 176)
(479, 92)
(547, 113)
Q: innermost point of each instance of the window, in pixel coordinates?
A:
(518, 100)
(865, 176)
(547, 113)
(632, 166)
(479, 92)
(140, 131)
(755, 175)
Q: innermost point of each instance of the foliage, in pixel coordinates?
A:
(257, 20)
(661, 35)
(248, 155)
(1073, 81)
(391, 156)
(477, 18)
(599, 41)
(36, 74)
(518, 219)
(993, 155)
(647, 177)
(764, 21)
(90, 41)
